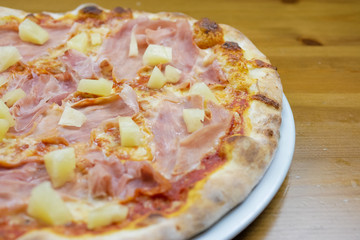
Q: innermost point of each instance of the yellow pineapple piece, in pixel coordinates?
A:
(101, 87)
(9, 55)
(60, 165)
(133, 49)
(79, 42)
(5, 114)
(13, 96)
(95, 39)
(157, 79)
(3, 80)
(32, 32)
(103, 216)
(156, 54)
(193, 118)
(172, 74)
(4, 127)
(130, 133)
(46, 205)
(203, 90)
(72, 117)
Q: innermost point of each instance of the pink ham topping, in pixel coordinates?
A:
(41, 92)
(177, 35)
(125, 180)
(80, 65)
(177, 151)
(212, 74)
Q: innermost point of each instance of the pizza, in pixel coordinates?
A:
(122, 124)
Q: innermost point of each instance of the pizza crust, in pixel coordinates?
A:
(248, 158)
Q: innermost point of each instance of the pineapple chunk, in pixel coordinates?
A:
(133, 49)
(172, 74)
(203, 90)
(156, 54)
(157, 79)
(3, 80)
(71, 117)
(103, 216)
(95, 39)
(60, 165)
(9, 55)
(101, 87)
(46, 205)
(13, 96)
(193, 118)
(130, 133)
(4, 127)
(79, 42)
(31, 32)
(5, 114)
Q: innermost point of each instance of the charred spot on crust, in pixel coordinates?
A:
(122, 12)
(206, 25)
(91, 10)
(231, 46)
(269, 132)
(266, 100)
(232, 51)
(30, 15)
(263, 64)
(207, 33)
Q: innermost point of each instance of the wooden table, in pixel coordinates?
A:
(316, 47)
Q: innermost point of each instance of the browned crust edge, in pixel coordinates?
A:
(249, 158)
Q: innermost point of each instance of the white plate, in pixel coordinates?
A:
(241, 216)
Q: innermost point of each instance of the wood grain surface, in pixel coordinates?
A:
(316, 47)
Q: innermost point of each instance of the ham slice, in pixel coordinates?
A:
(115, 49)
(212, 74)
(129, 96)
(80, 65)
(41, 92)
(110, 177)
(196, 145)
(177, 151)
(29, 51)
(125, 180)
(177, 35)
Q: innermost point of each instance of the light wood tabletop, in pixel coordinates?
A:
(316, 47)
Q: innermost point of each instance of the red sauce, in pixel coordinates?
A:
(10, 232)
(239, 105)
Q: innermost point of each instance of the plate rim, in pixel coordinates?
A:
(262, 194)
